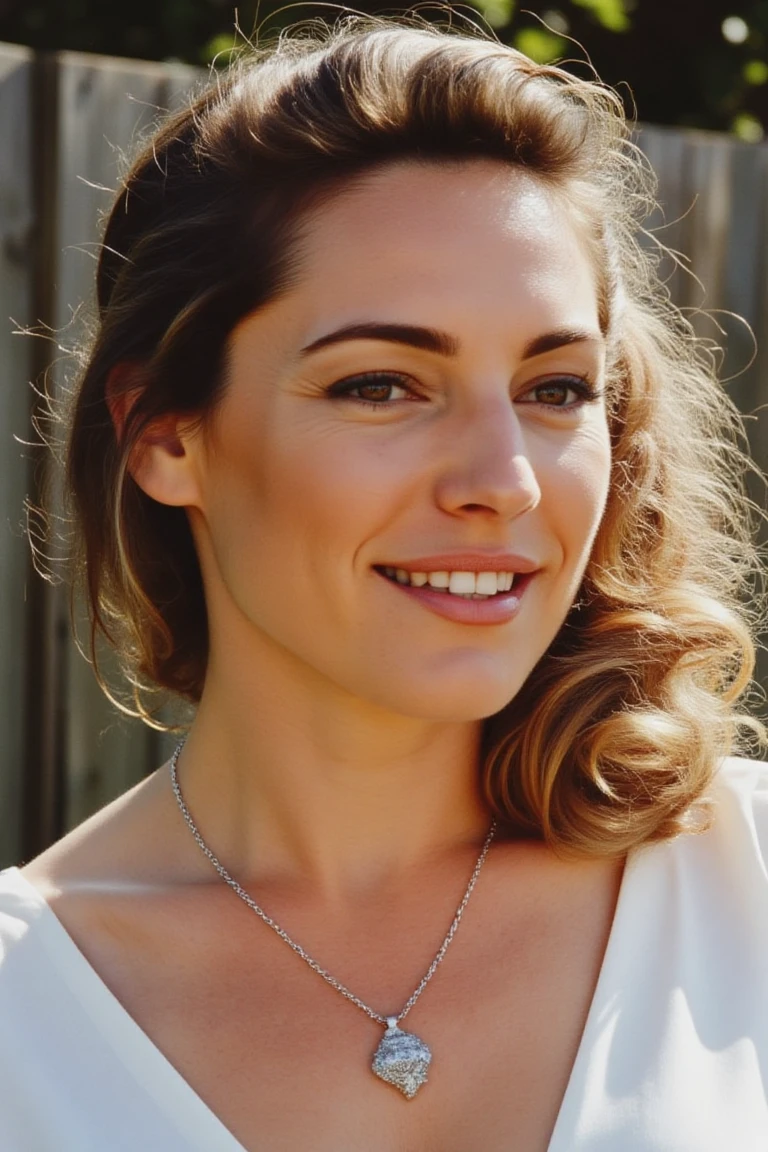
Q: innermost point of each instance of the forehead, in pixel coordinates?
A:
(476, 237)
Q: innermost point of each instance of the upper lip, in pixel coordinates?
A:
(467, 562)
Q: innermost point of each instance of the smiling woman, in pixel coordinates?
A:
(392, 457)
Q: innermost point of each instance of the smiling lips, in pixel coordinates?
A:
(466, 589)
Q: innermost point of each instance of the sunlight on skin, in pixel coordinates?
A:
(337, 706)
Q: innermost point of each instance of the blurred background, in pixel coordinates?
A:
(81, 81)
(697, 63)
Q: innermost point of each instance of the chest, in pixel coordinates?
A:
(283, 1060)
(294, 1072)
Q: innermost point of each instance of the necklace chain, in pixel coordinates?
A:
(297, 948)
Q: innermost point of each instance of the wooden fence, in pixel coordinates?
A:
(65, 122)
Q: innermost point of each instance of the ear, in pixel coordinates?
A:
(162, 462)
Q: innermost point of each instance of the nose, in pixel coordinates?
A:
(487, 470)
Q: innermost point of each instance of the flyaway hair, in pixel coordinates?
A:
(620, 727)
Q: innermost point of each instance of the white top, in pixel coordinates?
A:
(674, 1055)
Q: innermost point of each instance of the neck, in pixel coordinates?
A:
(287, 780)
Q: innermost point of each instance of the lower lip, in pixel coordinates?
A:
(499, 609)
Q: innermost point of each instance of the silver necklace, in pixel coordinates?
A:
(402, 1058)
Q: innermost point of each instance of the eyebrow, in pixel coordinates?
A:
(442, 343)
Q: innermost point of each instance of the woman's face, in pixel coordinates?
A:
(427, 397)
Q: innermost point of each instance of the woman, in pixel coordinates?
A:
(392, 457)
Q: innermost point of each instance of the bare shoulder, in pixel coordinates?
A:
(127, 843)
(115, 882)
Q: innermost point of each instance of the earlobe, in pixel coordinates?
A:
(162, 466)
(160, 461)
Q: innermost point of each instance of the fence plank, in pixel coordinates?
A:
(16, 228)
(104, 107)
(713, 191)
(744, 279)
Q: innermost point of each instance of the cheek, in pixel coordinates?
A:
(328, 493)
(578, 486)
(291, 498)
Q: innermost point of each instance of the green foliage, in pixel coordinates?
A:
(220, 48)
(755, 72)
(611, 14)
(702, 63)
(540, 44)
(747, 128)
(498, 13)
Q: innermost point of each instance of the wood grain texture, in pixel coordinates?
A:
(106, 108)
(16, 238)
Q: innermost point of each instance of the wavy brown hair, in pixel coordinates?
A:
(621, 725)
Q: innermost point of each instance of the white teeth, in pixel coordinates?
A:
(439, 579)
(462, 583)
(471, 585)
(489, 583)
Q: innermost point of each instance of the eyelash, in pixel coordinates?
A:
(585, 390)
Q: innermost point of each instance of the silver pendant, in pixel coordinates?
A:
(402, 1060)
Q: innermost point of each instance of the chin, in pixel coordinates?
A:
(452, 699)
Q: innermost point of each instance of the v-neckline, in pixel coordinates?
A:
(139, 1055)
(601, 1010)
(157, 1076)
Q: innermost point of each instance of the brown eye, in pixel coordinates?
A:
(373, 388)
(553, 394)
(375, 391)
(560, 392)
